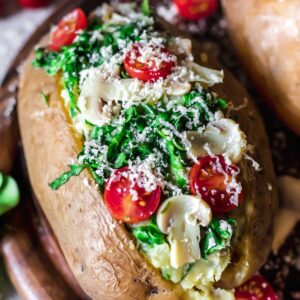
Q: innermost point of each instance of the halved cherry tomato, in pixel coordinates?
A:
(128, 202)
(158, 66)
(256, 288)
(216, 182)
(66, 30)
(196, 9)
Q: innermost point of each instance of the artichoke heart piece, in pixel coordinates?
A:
(180, 217)
(222, 136)
(204, 75)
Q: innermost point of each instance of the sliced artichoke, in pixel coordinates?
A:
(176, 88)
(206, 271)
(204, 75)
(159, 256)
(222, 136)
(180, 217)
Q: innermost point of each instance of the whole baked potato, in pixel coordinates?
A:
(161, 199)
(266, 35)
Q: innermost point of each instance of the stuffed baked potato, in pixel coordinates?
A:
(266, 35)
(161, 199)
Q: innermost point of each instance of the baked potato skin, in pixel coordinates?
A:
(8, 135)
(97, 248)
(266, 35)
(255, 215)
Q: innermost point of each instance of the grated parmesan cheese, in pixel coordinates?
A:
(233, 186)
(255, 164)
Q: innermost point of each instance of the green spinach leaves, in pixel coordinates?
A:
(149, 234)
(218, 236)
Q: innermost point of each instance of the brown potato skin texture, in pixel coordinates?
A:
(51, 247)
(255, 215)
(96, 246)
(266, 35)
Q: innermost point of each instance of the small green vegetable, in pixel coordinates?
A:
(120, 160)
(130, 113)
(75, 170)
(165, 272)
(70, 84)
(116, 142)
(124, 74)
(145, 8)
(144, 150)
(9, 193)
(222, 103)
(149, 234)
(218, 236)
(210, 103)
(178, 171)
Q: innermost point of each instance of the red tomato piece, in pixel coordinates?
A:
(158, 65)
(34, 3)
(128, 202)
(256, 288)
(66, 30)
(196, 9)
(217, 183)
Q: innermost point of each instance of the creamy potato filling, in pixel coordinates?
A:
(157, 142)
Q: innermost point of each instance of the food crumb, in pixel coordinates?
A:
(270, 187)
(168, 12)
(131, 245)
(204, 57)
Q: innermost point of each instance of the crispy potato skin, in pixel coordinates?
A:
(255, 215)
(266, 35)
(97, 248)
(51, 247)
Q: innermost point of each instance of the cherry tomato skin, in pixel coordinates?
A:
(256, 288)
(208, 180)
(34, 3)
(66, 30)
(196, 9)
(147, 71)
(120, 202)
